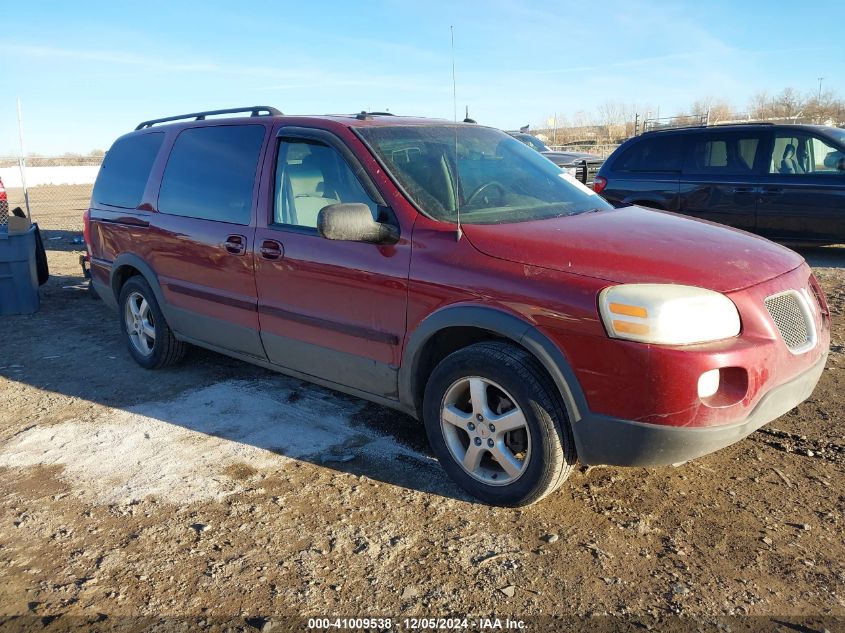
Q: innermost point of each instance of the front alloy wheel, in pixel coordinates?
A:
(496, 423)
(485, 431)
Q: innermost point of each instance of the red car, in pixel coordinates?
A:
(451, 272)
(4, 204)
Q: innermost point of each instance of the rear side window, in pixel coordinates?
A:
(725, 154)
(125, 170)
(211, 173)
(658, 153)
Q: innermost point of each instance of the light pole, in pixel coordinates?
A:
(819, 99)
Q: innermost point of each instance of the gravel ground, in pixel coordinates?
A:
(227, 494)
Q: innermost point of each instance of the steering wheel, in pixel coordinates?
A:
(481, 189)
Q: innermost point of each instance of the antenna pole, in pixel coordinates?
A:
(459, 232)
(22, 162)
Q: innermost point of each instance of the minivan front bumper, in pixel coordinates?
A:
(618, 442)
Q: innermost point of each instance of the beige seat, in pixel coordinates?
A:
(307, 187)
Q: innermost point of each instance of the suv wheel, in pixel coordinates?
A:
(149, 338)
(497, 425)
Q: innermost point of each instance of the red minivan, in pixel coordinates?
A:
(451, 272)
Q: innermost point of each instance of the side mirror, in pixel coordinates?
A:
(353, 222)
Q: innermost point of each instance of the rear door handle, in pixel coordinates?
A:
(271, 249)
(235, 244)
(771, 191)
(744, 190)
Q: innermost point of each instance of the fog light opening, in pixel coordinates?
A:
(708, 383)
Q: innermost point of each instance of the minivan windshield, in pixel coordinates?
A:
(492, 177)
(837, 134)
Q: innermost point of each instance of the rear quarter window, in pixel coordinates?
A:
(126, 169)
(210, 173)
(659, 153)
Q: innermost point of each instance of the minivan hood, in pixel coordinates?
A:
(637, 245)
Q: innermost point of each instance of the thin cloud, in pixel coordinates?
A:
(151, 63)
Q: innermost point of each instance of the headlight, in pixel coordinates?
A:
(667, 314)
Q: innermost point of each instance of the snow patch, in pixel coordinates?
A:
(177, 450)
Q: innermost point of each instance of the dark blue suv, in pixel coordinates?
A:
(786, 182)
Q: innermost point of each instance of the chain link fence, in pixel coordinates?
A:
(59, 187)
(602, 150)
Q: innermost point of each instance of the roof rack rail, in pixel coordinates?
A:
(718, 123)
(703, 126)
(363, 114)
(671, 128)
(200, 116)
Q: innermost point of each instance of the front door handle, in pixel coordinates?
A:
(744, 190)
(271, 249)
(771, 191)
(235, 244)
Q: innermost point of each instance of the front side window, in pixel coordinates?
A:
(126, 169)
(725, 154)
(797, 153)
(490, 176)
(656, 153)
(210, 174)
(310, 176)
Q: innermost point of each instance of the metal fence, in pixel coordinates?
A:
(600, 150)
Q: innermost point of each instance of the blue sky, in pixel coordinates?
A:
(88, 71)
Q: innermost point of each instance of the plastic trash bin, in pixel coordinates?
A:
(18, 272)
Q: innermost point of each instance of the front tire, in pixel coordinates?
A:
(497, 425)
(150, 340)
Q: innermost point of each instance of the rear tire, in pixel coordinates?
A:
(497, 425)
(150, 340)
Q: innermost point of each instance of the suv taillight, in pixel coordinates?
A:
(86, 228)
(3, 191)
(599, 184)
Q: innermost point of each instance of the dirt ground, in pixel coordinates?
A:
(230, 495)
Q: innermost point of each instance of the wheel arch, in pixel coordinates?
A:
(487, 323)
(128, 265)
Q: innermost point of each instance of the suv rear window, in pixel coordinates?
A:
(125, 170)
(658, 153)
(210, 174)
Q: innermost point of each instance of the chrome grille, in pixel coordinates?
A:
(790, 314)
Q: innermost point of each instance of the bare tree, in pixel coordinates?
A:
(613, 113)
(582, 118)
(787, 104)
(713, 109)
(759, 106)
(826, 107)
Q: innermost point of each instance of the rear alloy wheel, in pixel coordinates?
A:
(496, 423)
(148, 337)
(140, 324)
